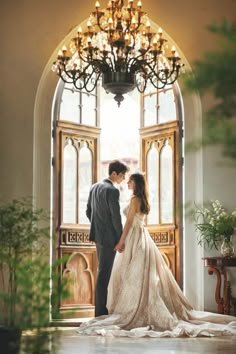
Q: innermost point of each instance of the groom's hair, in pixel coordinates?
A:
(117, 166)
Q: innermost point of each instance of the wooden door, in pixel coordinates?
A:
(160, 160)
(76, 170)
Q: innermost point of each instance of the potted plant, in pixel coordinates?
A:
(25, 276)
(215, 226)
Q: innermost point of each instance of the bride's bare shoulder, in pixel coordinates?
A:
(135, 201)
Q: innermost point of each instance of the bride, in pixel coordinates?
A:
(143, 297)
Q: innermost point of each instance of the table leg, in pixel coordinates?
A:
(223, 303)
(218, 298)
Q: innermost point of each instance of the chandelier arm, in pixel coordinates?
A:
(85, 79)
(66, 81)
(127, 59)
(95, 69)
(85, 59)
(92, 80)
(103, 29)
(139, 21)
(98, 14)
(164, 81)
(105, 63)
(59, 73)
(82, 85)
(112, 13)
(139, 65)
(113, 9)
(158, 78)
(87, 64)
(70, 74)
(156, 85)
(174, 79)
(130, 21)
(81, 57)
(81, 77)
(143, 52)
(133, 61)
(169, 82)
(168, 75)
(154, 72)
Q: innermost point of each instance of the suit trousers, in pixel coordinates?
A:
(106, 256)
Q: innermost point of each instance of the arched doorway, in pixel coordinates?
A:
(89, 131)
(192, 174)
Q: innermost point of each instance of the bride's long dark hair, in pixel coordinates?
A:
(141, 191)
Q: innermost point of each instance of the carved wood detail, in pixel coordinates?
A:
(80, 271)
(79, 276)
(73, 237)
(160, 237)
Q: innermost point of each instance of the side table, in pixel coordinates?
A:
(218, 266)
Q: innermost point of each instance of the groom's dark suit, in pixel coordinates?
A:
(103, 211)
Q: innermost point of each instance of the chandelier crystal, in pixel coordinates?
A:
(119, 47)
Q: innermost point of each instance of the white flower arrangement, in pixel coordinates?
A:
(214, 224)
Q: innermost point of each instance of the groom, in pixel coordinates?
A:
(103, 211)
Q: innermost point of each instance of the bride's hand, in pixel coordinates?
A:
(120, 247)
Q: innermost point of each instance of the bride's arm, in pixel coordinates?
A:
(130, 217)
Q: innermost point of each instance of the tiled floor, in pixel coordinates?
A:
(72, 343)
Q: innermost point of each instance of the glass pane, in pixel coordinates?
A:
(150, 109)
(69, 109)
(166, 186)
(88, 109)
(152, 179)
(69, 184)
(167, 109)
(85, 181)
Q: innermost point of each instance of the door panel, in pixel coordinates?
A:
(163, 176)
(76, 170)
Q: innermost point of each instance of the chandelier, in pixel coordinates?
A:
(119, 47)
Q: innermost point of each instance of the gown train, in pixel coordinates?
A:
(144, 298)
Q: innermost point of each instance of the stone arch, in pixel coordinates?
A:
(193, 169)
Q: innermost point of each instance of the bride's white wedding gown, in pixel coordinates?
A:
(145, 300)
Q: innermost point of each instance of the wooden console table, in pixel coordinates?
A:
(218, 266)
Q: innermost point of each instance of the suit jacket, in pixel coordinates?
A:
(103, 211)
